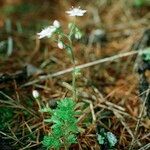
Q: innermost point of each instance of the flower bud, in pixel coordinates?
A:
(35, 94)
(60, 44)
(56, 24)
(78, 35)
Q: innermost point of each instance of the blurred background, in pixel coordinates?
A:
(119, 20)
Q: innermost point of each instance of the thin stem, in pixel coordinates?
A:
(73, 73)
(66, 148)
(73, 62)
(74, 83)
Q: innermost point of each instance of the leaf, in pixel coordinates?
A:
(69, 50)
(64, 125)
(56, 143)
(101, 139)
(111, 139)
(47, 141)
(71, 139)
(51, 142)
(57, 130)
(146, 54)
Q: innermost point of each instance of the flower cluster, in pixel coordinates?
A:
(48, 31)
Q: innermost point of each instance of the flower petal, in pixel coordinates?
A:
(76, 12)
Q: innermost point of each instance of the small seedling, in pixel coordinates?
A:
(107, 139)
(146, 54)
(64, 128)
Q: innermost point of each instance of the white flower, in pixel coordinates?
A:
(60, 44)
(56, 24)
(35, 94)
(76, 12)
(48, 32)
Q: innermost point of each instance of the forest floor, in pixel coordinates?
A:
(110, 90)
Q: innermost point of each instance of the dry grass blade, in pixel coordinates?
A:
(108, 59)
(145, 147)
(138, 121)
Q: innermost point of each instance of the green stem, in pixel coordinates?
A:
(73, 73)
(73, 60)
(74, 82)
(66, 148)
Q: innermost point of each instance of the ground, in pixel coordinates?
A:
(110, 92)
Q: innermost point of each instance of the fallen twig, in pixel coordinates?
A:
(96, 62)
